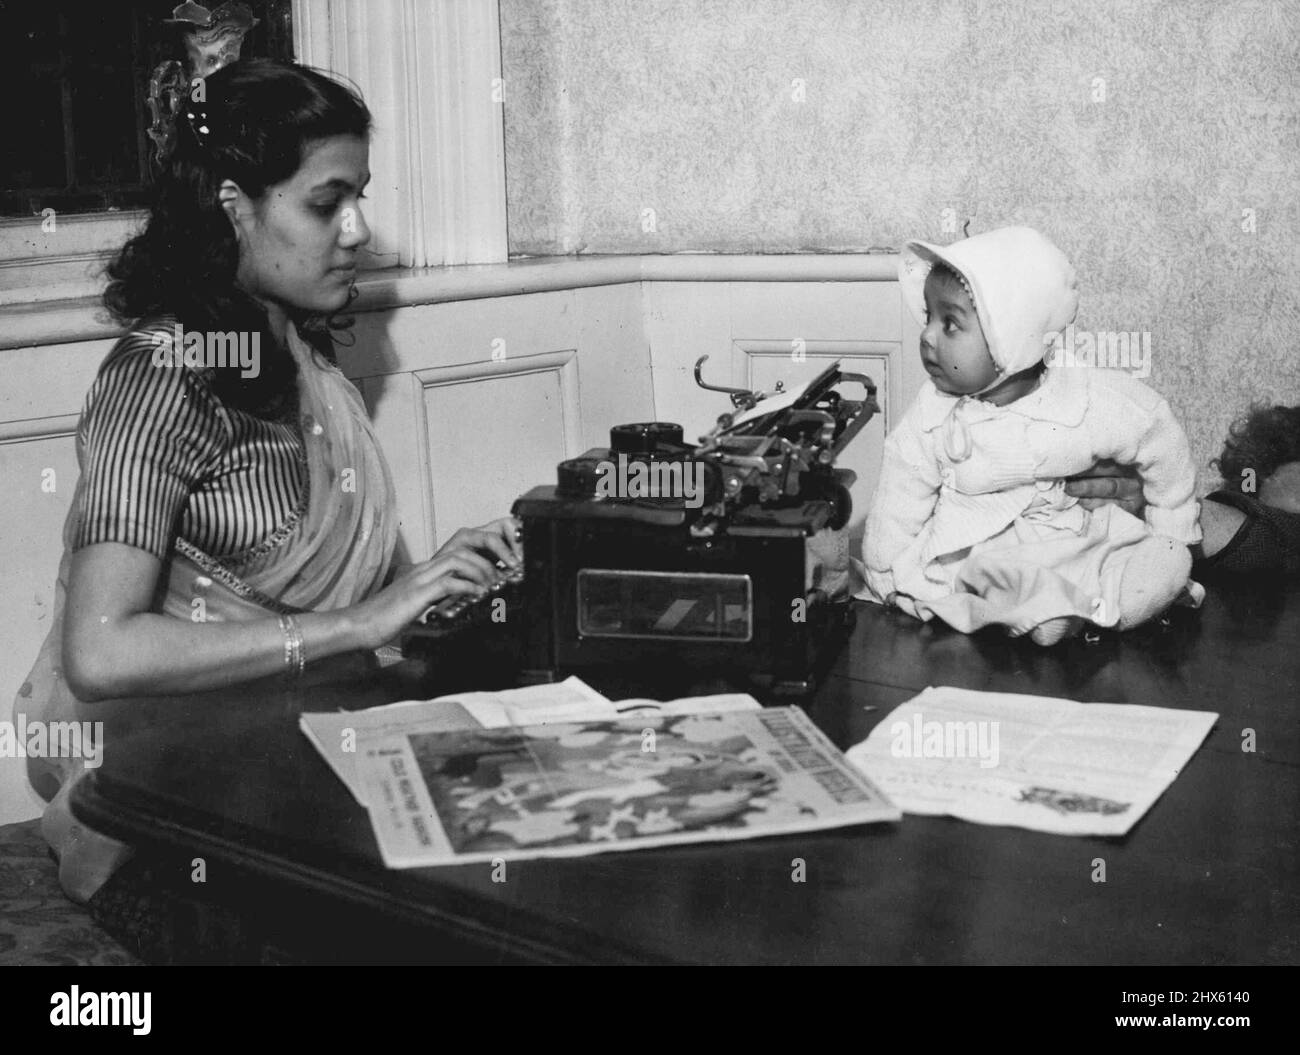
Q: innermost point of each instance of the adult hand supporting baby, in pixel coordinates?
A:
(1108, 482)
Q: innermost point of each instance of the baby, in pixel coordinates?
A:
(970, 521)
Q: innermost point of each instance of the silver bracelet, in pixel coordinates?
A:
(293, 654)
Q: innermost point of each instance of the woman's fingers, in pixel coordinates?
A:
(494, 543)
(464, 563)
(453, 586)
(1130, 503)
(1106, 483)
(511, 531)
(1106, 486)
(499, 540)
(462, 573)
(1102, 486)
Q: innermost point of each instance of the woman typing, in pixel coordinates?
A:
(234, 514)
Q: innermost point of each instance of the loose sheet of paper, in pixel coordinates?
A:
(337, 734)
(774, 402)
(1029, 761)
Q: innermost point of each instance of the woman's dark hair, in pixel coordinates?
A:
(254, 126)
(1264, 438)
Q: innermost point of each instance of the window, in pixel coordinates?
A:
(77, 114)
(430, 71)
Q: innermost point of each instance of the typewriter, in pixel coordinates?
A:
(655, 553)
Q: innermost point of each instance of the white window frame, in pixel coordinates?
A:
(430, 71)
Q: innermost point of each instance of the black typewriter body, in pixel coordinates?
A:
(617, 590)
(654, 555)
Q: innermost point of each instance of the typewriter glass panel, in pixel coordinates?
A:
(665, 605)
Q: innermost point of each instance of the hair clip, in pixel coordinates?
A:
(200, 124)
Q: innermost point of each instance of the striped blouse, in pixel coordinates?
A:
(162, 457)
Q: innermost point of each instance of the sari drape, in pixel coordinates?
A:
(333, 553)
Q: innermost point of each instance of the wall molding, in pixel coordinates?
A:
(564, 364)
(770, 267)
(28, 429)
(84, 319)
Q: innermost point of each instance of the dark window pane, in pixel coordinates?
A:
(79, 78)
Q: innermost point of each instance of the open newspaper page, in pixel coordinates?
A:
(561, 790)
(1033, 762)
(335, 733)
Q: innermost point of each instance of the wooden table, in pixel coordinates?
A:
(1209, 876)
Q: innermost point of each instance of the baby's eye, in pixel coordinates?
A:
(325, 208)
(950, 326)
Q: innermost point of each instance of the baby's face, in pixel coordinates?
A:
(953, 348)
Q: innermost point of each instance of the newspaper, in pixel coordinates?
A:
(569, 789)
(1033, 762)
(334, 733)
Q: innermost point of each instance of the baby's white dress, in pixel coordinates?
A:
(970, 521)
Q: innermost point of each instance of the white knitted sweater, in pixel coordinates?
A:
(1075, 417)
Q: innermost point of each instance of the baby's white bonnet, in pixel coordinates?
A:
(1024, 289)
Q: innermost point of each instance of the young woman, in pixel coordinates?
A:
(233, 517)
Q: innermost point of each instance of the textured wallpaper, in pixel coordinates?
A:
(1157, 143)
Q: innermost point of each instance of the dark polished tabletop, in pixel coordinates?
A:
(1208, 876)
